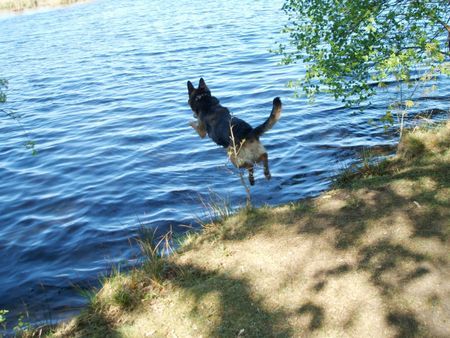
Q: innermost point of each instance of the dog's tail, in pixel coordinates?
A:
(269, 123)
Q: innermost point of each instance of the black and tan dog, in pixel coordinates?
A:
(237, 136)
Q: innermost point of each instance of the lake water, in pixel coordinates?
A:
(101, 88)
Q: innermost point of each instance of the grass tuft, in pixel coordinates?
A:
(411, 147)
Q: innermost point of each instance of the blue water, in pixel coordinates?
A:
(101, 89)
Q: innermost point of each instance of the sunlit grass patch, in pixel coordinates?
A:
(433, 138)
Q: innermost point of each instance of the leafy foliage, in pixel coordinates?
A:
(22, 326)
(350, 47)
(3, 318)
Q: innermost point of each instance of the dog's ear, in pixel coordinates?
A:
(190, 87)
(202, 84)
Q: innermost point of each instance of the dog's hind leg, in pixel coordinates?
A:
(265, 160)
(251, 178)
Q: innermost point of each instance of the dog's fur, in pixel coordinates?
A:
(237, 136)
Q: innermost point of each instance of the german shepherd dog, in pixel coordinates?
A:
(237, 136)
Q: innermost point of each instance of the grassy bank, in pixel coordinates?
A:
(20, 5)
(367, 259)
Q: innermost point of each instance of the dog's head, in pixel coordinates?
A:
(197, 97)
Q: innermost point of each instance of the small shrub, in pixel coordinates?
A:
(410, 147)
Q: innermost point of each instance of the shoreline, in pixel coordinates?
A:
(370, 255)
(24, 6)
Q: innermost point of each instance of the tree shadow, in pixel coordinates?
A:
(406, 324)
(324, 275)
(420, 211)
(239, 310)
(431, 224)
(361, 206)
(349, 221)
(391, 266)
(316, 312)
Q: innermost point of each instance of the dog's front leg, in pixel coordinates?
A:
(199, 127)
